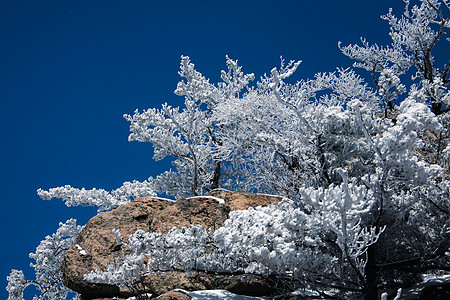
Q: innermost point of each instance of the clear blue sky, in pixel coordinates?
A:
(69, 70)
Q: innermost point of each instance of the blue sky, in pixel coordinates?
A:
(69, 70)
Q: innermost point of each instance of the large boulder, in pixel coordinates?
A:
(96, 245)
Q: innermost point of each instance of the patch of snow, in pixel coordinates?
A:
(306, 293)
(413, 292)
(216, 295)
(81, 250)
(385, 295)
(166, 199)
(270, 195)
(432, 278)
(221, 189)
(134, 298)
(220, 200)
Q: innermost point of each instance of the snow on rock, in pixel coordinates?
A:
(80, 250)
(417, 290)
(219, 200)
(165, 199)
(140, 296)
(216, 294)
(429, 281)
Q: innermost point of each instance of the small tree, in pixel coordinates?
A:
(414, 37)
(190, 136)
(47, 266)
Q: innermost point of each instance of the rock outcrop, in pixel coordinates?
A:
(174, 295)
(96, 245)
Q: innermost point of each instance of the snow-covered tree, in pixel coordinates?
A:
(412, 169)
(415, 35)
(189, 135)
(47, 266)
(52, 249)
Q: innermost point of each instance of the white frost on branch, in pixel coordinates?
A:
(16, 285)
(101, 198)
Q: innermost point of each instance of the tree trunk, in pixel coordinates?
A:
(371, 272)
(436, 107)
(216, 178)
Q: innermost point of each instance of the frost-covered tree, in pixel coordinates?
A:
(47, 266)
(52, 249)
(364, 171)
(415, 36)
(412, 174)
(190, 136)
(310, 133)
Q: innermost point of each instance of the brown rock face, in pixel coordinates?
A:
(96, 245)
(174, 295)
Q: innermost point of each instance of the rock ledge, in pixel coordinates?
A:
(96, 245)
